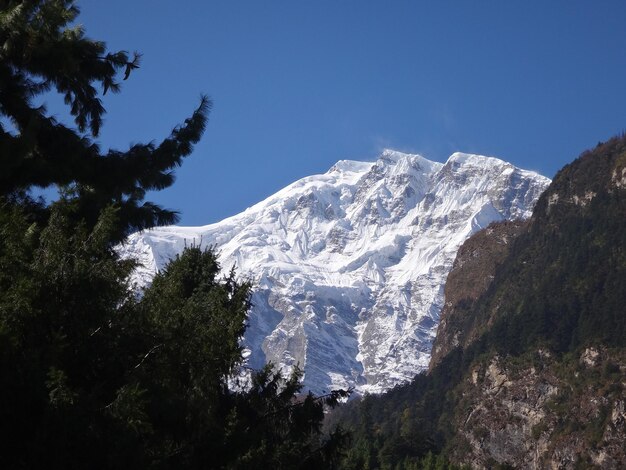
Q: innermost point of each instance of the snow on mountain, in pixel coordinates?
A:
(349, 266)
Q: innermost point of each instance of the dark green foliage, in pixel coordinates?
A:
(563, 282)
(38, 53)
(94, 375)
(64, 306)
(267, 428)
(406, 424)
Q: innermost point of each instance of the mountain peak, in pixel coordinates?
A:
(472, 159)
(349, 265)
(395, 155)
(350, 166)
(408, 160)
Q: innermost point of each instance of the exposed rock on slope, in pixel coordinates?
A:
(549, 413)
(473, 271)
(349, 266)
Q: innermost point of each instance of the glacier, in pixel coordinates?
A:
(348, 266)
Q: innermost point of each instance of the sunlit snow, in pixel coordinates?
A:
(349, 266)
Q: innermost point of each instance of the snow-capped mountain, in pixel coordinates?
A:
(349, 266)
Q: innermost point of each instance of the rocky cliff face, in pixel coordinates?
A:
(349, 266)
(548, 413)
(472, 273)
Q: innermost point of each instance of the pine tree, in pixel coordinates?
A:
(39, 53)
(94, 375)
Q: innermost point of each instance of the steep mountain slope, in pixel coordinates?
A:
(471, 275)
(556, 318)
(562, 279)
(530, 357)
(349, 266)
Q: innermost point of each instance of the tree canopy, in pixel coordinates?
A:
(94, 375)
(43, 51)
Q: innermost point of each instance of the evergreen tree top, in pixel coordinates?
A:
(42, 51)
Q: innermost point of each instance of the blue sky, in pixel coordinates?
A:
(298, 85)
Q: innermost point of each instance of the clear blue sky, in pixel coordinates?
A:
(298, 85)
